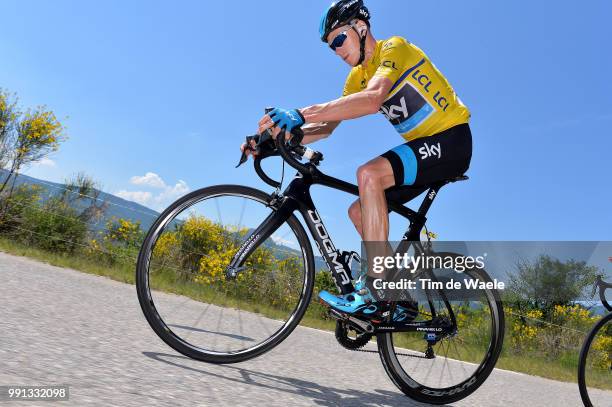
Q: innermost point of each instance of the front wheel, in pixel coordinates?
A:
(182, 285)
(441, 368)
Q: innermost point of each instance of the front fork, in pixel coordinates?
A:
(272, 222)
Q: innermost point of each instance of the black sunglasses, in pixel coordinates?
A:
(338, 41)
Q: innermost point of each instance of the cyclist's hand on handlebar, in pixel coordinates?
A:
(282, 119)
(276, 130)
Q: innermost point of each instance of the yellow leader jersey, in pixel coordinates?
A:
(421, 102)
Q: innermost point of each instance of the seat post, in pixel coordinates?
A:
(418, 221)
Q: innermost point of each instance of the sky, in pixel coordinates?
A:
(157, 97)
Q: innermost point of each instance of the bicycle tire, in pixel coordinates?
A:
(144, 293)
(584, 351)
(425, 394)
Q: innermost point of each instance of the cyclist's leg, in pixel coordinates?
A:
(354, 213)
(397, 194)
(412, 165)
(421, 162)
(373, 178)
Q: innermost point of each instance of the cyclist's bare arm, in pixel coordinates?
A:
(317, 131)
(363, 103)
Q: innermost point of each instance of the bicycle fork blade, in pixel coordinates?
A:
(272, 222)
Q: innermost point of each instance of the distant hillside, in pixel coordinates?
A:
(118, 207)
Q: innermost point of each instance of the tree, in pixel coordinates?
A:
(82, 188)
(25, 137)
(548, 282)
(7, 122)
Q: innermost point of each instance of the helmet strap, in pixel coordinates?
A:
(362, 43)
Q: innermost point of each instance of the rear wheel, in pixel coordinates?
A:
(455, 364)
(595, 365)
(182, 285)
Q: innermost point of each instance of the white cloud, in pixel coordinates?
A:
(154, 200)
(149, 179)
(171, 193)
(44, 162)
(141, 197)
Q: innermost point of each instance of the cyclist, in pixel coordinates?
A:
(396, 78)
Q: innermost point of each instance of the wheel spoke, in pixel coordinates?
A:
(242, 210)
(219, 218)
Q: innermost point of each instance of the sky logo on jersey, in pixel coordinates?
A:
(403, 105)
(393, 112)
(407, 108)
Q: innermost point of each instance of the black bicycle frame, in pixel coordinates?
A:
(297, 197)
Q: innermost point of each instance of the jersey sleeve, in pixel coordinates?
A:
(393, 57)
(351, 84)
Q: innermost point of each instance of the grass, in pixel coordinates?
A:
(563, 368)
(121, 273)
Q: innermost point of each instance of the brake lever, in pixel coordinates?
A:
(244, 157)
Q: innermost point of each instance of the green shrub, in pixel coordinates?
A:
(12, 208)
(53, 226)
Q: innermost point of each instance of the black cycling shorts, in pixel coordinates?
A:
(421, 162)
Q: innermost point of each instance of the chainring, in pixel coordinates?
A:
(360, 340)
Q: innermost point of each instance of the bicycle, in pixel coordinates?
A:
(257, 283)
(595, 362)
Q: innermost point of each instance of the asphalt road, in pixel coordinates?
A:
(60, 326)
